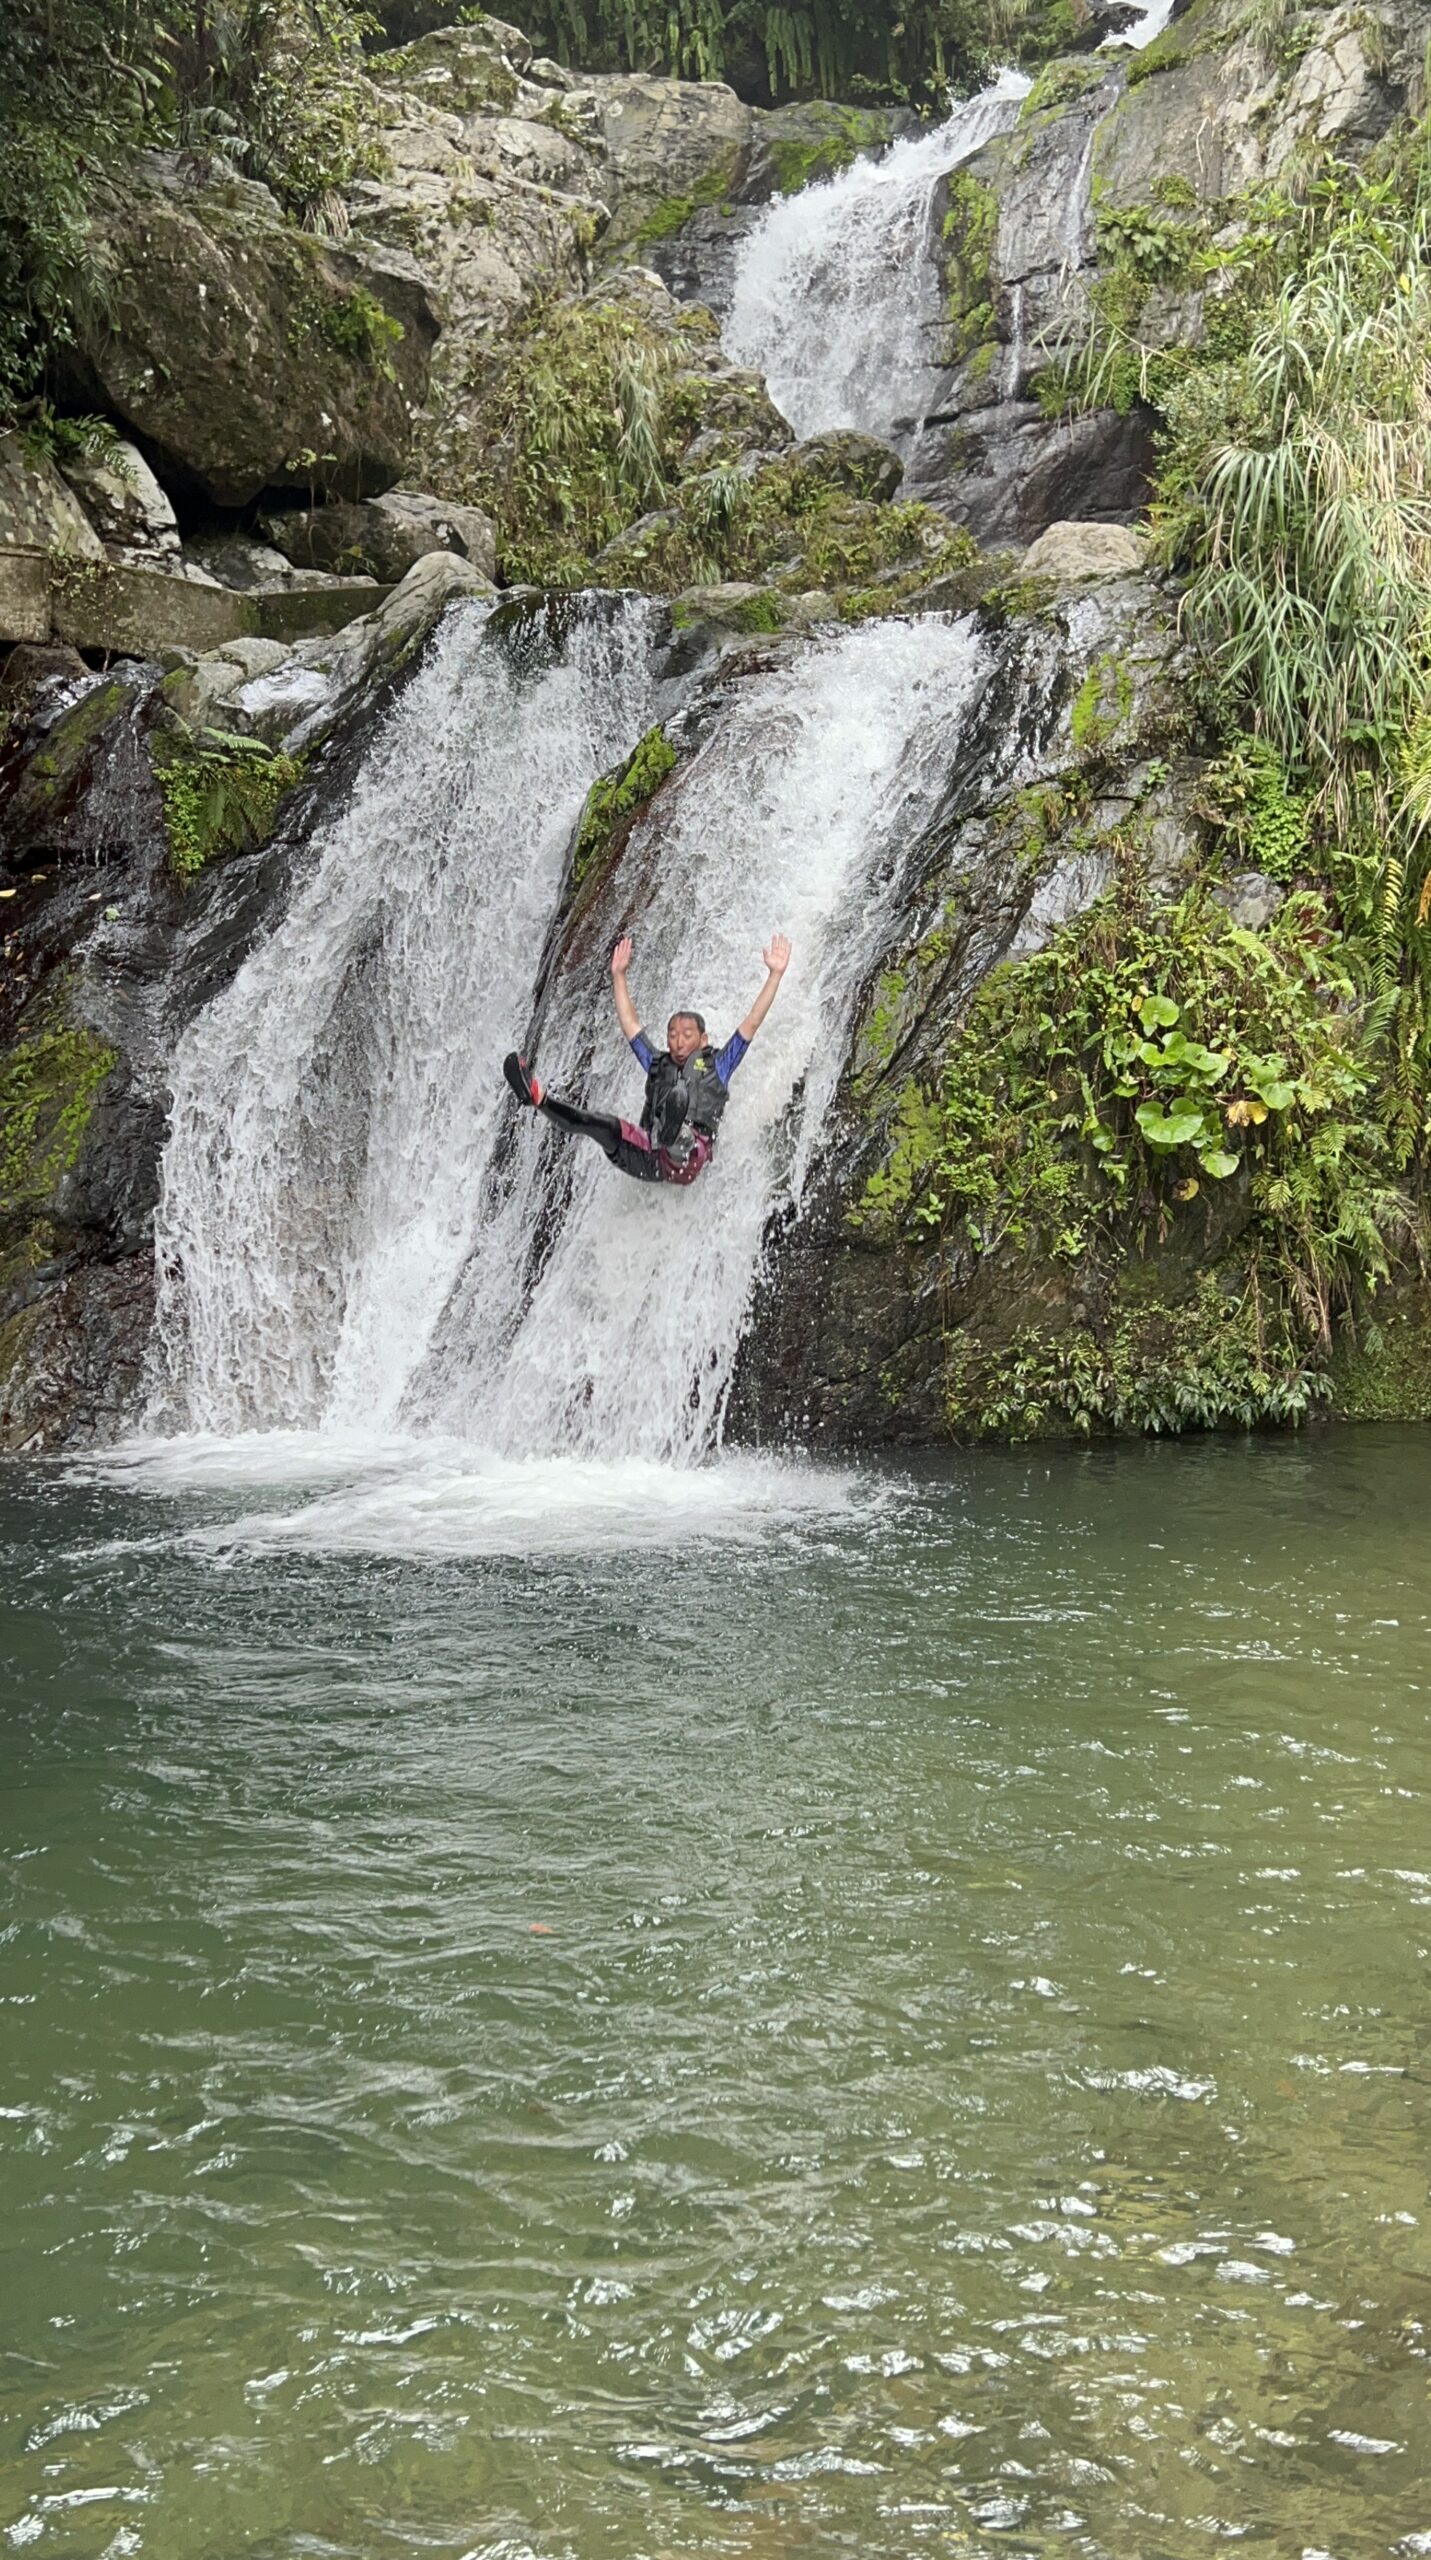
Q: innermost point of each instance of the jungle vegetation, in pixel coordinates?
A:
(85, 83)
(861, 50)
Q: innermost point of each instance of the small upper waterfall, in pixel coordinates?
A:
(353, 1232)
(836, 297)
(1155, 18)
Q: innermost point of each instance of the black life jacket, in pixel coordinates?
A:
(682, 1099)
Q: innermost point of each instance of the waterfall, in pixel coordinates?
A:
(356, 1231)
(335, 1110)
(792, 815)
(836, 295)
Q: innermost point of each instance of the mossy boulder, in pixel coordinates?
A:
(822, 518)
(796, 146)
(50, 1080)
(75, 774)
(590, 416)
(614, 803)
(246, 355)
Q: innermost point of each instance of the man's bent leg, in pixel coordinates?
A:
(684, 1169)
(628, 1148)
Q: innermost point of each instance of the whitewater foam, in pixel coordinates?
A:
(440, 1499)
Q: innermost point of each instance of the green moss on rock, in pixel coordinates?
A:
(221, 793)
(614, 803)
(971, 225)
(1101, 706)
(1381, 1369)
(802, 158)
(813, 520)
(49, 1084)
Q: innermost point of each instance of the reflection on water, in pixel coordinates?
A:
(899, 2027)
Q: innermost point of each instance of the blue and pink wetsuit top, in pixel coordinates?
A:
(726, 1059)
(665, 1168)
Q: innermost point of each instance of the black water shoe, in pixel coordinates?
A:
(521, 1079)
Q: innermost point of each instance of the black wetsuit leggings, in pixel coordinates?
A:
(624, 1145)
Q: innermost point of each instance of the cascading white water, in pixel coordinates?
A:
(1143, 30)
(791, 816)
(334, 1111)
(339, 1244)
(836, 298)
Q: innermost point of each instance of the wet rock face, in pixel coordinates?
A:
(1023, 234)
(106, 954)
(848, 1340)
(242, 353)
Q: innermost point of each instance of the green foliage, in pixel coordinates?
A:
(1294, 495)
(615, 801)
(581, 432)
(357, 324)
(1214, 1359)
(49, 1082)
(47, 438)
(1093, 1094)
(275, 84)
(791, 523)
(771, 49)
(1246, 793)
(221, 794)
(278, 85)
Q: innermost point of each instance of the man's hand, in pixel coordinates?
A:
(626, 1013)
(777, 960)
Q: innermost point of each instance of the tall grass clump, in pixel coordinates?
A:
(1295, 496)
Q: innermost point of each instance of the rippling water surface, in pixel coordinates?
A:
(854, 2015)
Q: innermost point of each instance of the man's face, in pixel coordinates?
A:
(683, 1037)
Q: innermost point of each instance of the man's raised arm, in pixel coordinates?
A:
(626, 1013)
(777, 960)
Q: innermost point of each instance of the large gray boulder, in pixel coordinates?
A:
(245, 354)
(382, 537)
(1076, 554)
(38, 509)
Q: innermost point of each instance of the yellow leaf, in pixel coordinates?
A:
(1185, 1190)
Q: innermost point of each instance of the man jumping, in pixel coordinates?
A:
(687, 1083)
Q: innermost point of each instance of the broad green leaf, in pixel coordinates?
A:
(1156, 1011)
(1176, 1128)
